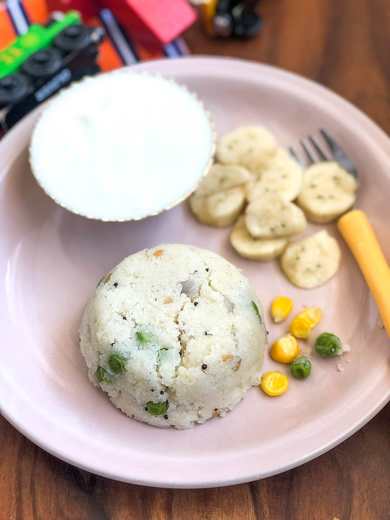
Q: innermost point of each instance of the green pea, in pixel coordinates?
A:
(256, 309)
(301, 367)
(143, 337)
(117, 363)
(328, 345)
(157, 408)
(102, 375)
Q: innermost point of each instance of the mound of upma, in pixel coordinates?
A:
(174, 335)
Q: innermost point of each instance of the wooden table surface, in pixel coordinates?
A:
(343, 44)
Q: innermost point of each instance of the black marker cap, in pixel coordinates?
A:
(13, 88)
(73, 38)
(43, 63)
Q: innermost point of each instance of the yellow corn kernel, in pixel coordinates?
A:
(274, 383)
(285, 349)
(281, 308)
(305, 321)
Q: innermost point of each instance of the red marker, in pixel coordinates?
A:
(152, 23)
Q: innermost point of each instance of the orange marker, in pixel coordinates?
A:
(36, 11)
(7, 32)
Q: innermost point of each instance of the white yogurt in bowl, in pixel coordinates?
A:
(122, 146)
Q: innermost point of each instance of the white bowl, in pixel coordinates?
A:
(122, 146)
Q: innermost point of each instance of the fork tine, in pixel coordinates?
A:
(332, 145)
(309, 158)
(293, 154)
(320, 153)
(338, 153)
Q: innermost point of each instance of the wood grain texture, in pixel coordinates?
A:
(342, 44)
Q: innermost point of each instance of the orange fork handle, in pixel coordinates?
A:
(362, 241)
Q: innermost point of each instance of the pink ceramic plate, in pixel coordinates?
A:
(50, 261)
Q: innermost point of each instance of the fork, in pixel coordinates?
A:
(354, 225)
(336, 153)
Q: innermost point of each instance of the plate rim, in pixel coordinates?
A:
(382, 144)
(204, 484)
